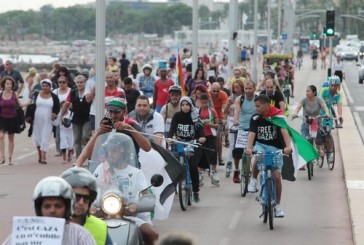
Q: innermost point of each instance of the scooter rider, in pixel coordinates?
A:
(118, 171)
(53, 197)
(84, 186)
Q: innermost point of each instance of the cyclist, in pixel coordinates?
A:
(312, 106)
(169, 109)
(244, 110)
(147, 81)
(314, 56)
(288, 72)
(332, 95)
(85, 188)
(53, 197)
(185, 126)
(267, 138)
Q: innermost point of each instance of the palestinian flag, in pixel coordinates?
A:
(302, 150)
(180, 78)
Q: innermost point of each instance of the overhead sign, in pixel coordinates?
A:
(284, 36)
(29, 230)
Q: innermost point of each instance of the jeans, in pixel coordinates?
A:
(81, 135)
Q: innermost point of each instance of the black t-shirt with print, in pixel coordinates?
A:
(266, 132)
(184, 128)
(275, 98)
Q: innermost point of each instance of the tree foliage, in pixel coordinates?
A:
(79, 22)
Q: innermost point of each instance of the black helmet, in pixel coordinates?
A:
(80, 177)
(175, 88)
(53, 186)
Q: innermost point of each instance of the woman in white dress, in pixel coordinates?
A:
(47, 108)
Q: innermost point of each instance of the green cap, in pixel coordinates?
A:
(116, 104)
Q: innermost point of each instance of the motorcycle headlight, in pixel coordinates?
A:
(111, 204)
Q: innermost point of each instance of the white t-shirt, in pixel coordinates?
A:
(130, 180)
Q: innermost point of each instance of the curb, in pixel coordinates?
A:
(352, 148)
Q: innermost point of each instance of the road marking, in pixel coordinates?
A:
(224, 241)
(359, 124)
(235, 220)
(358, 108)
(355, 184)
(348, 95)
(32, 153)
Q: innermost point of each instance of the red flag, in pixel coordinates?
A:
(181, 81)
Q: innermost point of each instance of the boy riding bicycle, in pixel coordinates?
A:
(267, 137)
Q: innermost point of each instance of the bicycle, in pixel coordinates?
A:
(184, 187)
(245, 174)
(328, 139)
(312, 123)
(268, 163)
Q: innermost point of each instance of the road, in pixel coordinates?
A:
(316, 211)
(354, 92)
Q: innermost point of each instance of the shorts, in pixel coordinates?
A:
(278, 161)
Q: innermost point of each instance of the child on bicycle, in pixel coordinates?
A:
(267, 137)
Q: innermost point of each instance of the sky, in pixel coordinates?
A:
(37, 4)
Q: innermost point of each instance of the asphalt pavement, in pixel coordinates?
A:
(317, 211)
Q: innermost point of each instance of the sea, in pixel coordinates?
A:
(29, 58)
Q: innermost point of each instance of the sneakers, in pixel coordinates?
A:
(236, 178)
(278, 212)
(214, 178)
(330, 157)
(196, 196)
(252, 187)
(228, 169)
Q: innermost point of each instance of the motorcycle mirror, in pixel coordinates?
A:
(157, 180)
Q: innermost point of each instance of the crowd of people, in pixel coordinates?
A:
(212, 108)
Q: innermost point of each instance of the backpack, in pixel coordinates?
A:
(242, 98)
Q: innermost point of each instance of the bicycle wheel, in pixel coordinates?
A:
(245, 176)
(331, 160)
(182, 195)
(270, 203)
(309, 166)
(321, 161)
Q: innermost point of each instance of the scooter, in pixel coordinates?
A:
(118, 202)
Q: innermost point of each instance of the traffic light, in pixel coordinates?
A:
(330, 22)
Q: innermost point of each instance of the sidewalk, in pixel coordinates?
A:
(352, 149)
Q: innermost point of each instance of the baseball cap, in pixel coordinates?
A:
(116, 104)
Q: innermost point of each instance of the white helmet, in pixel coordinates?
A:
(147, 66)
(53, 186)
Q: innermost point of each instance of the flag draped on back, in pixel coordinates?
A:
(180, 78)
(302, 150)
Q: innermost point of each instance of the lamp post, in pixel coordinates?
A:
(100, 60)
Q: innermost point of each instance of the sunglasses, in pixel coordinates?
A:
(215, 91)
(114, 111)
(86, 198)
(61, 81)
